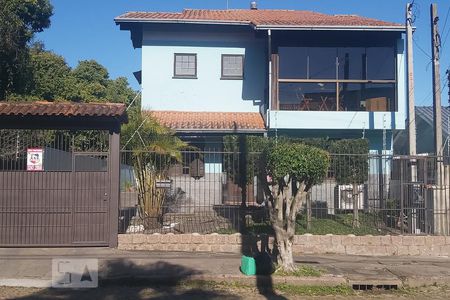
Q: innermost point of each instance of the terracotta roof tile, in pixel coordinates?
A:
(66, 109)
(260, 17)
(210, 121)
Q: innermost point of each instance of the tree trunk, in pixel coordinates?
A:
(308, 211)
(284, 244)
(355, 192)
(284, 207)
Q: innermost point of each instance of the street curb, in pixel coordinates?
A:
(27, 283)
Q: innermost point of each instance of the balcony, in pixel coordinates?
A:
(330, 79)
(336, 96)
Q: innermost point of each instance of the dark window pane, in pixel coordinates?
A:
(351, 97)
(367, 97)
(293, 62)
(185, 65)
(322, 63)
(352, 63)
(233, 66)
(308, 96)
(380, 63)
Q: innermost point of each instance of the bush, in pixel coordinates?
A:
(350, 162)
(303, 163)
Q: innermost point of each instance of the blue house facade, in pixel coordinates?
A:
(302, 73)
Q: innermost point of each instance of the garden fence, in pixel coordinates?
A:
(218, 191)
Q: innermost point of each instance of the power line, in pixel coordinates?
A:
(446, 19)
(421, 49)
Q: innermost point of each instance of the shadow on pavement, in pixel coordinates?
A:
(257, 246)
(124, 279)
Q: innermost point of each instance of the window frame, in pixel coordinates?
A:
(231, 77)
(177, 76)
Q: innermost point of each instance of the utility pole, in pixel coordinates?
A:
(440, 226)
(411, 120)
(435, 46)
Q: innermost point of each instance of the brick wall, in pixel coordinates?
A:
(303, 244)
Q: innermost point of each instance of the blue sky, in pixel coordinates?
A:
(84, 29)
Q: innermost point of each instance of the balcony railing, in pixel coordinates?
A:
(336, 95)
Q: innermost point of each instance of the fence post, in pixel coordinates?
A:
(114, 167)
(243, 180)
(381, 180)
(402, 196)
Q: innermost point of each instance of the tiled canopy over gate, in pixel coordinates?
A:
(65, 109)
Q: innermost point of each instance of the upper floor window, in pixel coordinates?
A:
(337, 78)
(232, 66)
(185, 65)
(337, 63)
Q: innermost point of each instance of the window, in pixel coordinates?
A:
(380, 63)
(337, 78)
(322, 63)
(232, 66)
(185, 65)
(352, 63)
(293, 62)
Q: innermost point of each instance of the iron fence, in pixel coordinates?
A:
(217, 191)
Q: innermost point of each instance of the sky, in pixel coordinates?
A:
(85, 29)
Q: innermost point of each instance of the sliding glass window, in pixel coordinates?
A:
(337, 78)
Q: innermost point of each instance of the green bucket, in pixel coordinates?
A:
(248, 265)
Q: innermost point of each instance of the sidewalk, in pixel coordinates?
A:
(32, 268)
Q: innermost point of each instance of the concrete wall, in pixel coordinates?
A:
(208, 92)
(303, 244)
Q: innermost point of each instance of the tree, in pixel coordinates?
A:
(351, 164)
(50, 74)
(118, 91)
(19, 21)
(154, 149)
(91, 80)
(291, 170)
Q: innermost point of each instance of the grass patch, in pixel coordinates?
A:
(289, 289)
(302, 271)
(338, 224)
(340, 290)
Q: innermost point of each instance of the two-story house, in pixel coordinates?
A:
(207, 73)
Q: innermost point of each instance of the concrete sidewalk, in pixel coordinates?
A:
(32, 268)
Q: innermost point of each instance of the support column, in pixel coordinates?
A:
(114, 172)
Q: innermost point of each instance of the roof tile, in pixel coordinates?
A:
(204, 121)
(66, 109)
(260, 17)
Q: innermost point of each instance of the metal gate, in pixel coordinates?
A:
(65, 204)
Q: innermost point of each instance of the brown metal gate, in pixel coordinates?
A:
(56, 208)
(91, 199)
(66, 204)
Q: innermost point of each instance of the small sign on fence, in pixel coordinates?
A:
(35, 159)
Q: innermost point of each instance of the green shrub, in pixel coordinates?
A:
(303, 163)
(350, 161)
